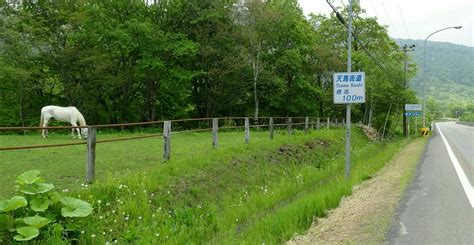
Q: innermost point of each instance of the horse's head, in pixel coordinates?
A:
(84, 132)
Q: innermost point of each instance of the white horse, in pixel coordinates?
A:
(68, 114)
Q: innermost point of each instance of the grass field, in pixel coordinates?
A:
(263, 192)
(66, 166)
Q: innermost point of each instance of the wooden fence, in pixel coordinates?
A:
(91, 142)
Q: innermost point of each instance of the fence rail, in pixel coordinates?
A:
(167, 133)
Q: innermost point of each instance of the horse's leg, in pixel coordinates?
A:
(72, 133)
(77, 129)
(45, 124)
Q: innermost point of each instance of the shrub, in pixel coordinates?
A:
(38, 207)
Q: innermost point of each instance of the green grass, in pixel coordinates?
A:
(261, 192)
(65, 166)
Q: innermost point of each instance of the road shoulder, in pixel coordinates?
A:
(364, 217)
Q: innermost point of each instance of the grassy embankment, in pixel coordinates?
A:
(262, 192)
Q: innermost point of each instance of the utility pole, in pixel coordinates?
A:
(357, 78)
(405, 49)
(348, 106)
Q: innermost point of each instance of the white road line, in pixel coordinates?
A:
(466, 185)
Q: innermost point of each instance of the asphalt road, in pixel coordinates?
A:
(438, 207)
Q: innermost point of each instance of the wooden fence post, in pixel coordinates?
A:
(247, 130)
(167, 140)
(271, 128)
(91, 142)
(343, 122)
(306, 122)
(335, 120)
(327, 124)
(215, 128)
(289, 126)
(318, 125)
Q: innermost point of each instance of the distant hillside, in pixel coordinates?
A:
(449, 72)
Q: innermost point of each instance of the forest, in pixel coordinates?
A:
(449, 77)
(129, 61)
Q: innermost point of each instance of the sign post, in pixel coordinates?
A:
(350, 97)
(412, 110)
(348, 88)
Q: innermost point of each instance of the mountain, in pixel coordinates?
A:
(449, 73)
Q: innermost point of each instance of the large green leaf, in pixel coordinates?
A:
(36, 221)
(39, 204)
(53, 197)
(36, 188)
(29, 177)
(75, 207)
(12, 204)
(26, 233)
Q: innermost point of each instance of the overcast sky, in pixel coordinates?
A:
(414, 19)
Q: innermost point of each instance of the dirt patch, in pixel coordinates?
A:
(295, 153)
(313, 144)
(364, 217)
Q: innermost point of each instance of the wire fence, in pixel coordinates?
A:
(180, 126)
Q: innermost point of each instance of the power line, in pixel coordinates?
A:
(356, 38)
(375, 9)
(404, 24)
(397, 37)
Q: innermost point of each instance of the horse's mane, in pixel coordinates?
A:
(79, 115)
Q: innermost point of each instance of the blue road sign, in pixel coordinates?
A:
(413, 113)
